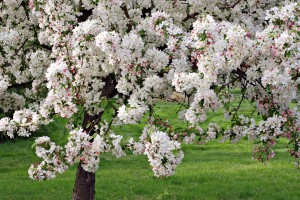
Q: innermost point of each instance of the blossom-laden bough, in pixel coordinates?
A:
(83, 60)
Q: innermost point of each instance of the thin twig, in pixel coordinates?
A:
(17, 51)
(129, 25)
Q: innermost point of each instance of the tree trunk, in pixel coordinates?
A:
(84, 188)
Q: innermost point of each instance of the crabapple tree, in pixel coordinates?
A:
(81, 59)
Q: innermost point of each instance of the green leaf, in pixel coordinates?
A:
(104, 103)
(37, 6)
(202, 36)
(287, 54)
(94, 135)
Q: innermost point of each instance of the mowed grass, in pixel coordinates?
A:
(211, 171)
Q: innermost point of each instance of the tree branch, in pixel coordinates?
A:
(26, 84)
(236, 3)
(125, 10)
(22, 45)
(85, 15)
(191, 16)
(227, 6)
(108, 91)
(146, 11)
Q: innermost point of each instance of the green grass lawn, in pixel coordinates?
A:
(211, 171)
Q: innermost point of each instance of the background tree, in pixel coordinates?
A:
(82, 59)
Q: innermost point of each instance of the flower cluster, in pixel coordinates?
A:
(81, 148)
(52, 163)
(23, 122)
(163, 153)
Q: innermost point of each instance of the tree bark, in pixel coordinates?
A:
(84, 188)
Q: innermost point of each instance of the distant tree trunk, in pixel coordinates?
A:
(84, 187)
